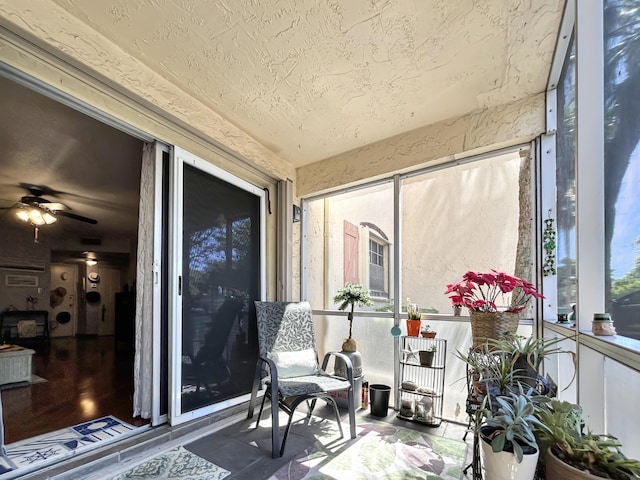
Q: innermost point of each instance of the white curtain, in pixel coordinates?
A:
(143, 362)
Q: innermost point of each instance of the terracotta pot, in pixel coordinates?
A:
(413, 328)
(429, 334)
(556, 469)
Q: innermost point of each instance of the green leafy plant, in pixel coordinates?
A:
(599, 454)
(512, 423)
(350, 295)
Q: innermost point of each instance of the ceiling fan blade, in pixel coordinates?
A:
(76, 217)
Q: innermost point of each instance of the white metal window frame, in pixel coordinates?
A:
(587, 19)
(395, 272)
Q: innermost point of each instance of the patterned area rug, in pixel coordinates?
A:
(33, 453)
(380, 452)
(175, 464)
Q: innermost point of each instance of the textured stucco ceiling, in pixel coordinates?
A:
(311, 79)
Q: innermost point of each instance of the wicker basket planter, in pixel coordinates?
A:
(491, 325)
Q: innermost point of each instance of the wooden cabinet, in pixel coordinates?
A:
(422, 380)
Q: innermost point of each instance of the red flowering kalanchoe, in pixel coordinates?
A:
(480, 292)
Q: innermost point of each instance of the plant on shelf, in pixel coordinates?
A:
(570, 453)
(508, 443)
(350, 295)
(526, 355)
(414, 314)
(426, 332)
(491, 292)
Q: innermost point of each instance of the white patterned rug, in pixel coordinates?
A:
(175, 464)
(33, 453)
(380, 452)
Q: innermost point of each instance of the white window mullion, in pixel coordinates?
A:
(590, 235)
(590, 161)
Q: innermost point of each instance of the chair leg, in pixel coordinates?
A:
(275, 424)
(264, 398)
(254, 390)
(352, 412)
(333, 403)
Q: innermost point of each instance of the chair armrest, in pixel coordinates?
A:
(273, 370)
(345, 359)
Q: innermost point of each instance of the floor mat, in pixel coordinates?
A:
(380, 451)
(174, 464)
(32, 453)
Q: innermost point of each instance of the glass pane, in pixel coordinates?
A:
(566, 184)
(221, 279)
(622, 163)
(350, 239)
(475, 217)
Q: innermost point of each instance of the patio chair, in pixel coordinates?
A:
(287, 348)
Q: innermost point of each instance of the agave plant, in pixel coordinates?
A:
(512, 423)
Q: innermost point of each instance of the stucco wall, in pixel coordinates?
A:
(162, 109)
(481, 131)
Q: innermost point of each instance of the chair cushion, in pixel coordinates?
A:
(295, 364)
(309, 384)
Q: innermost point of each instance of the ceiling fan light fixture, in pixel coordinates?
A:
(36, 216)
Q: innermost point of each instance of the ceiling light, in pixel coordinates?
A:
(36, 216)
(91, 262)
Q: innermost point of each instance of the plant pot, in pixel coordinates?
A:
(429, 334)
(504, 465)
(426, 357)
(413, 328)
(491, 325)
(556, 468)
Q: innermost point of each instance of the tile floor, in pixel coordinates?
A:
(234, 448)
(244, 450)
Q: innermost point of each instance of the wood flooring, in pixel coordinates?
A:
(87, 378)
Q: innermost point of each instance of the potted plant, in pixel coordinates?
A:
(574, 455)
(526, 355)
(350, 295)
(413, 319)
(508, 446)
(494, 299)
(426, 332)
(426, 356)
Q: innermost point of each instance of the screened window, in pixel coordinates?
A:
(566, 184)
(622, 163)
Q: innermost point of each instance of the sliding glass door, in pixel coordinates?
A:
(219, 272)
